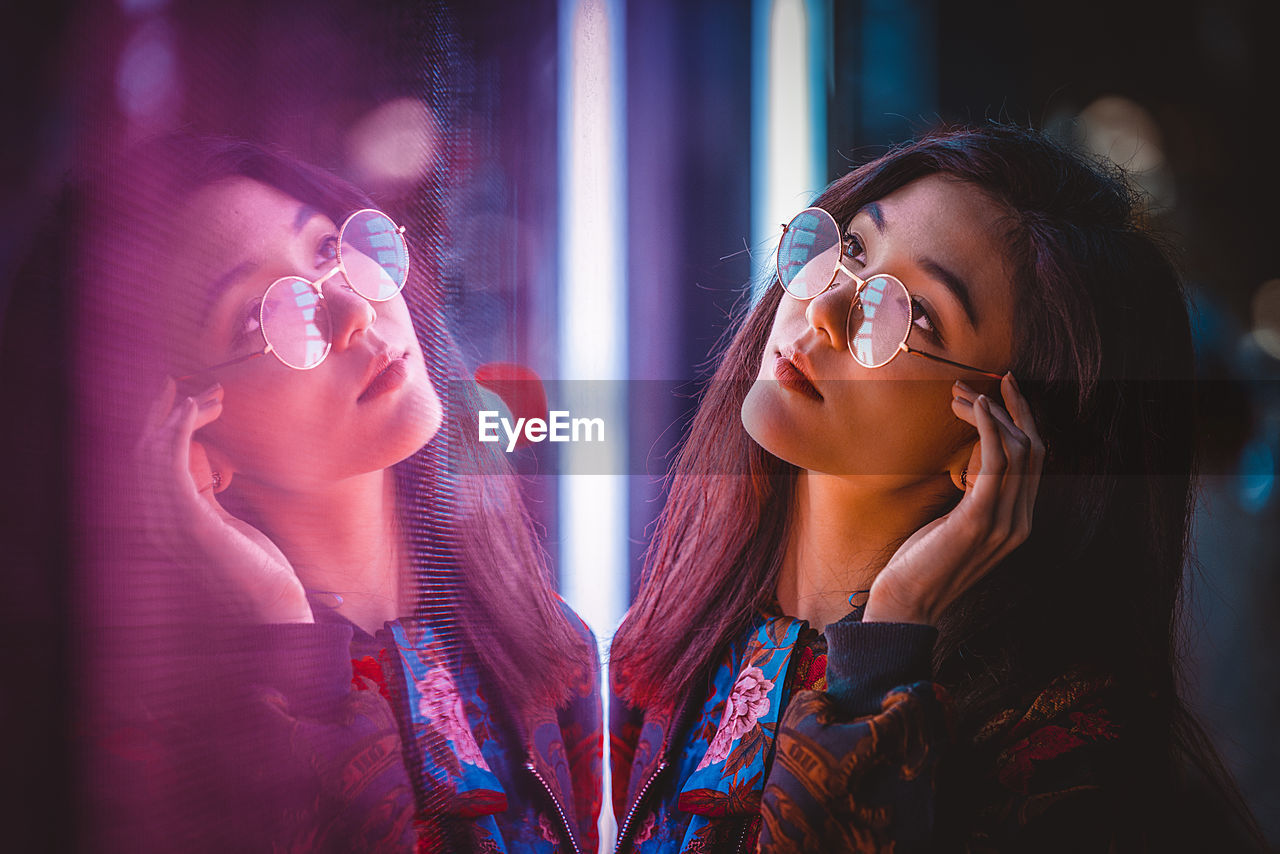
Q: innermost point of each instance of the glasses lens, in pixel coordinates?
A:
(374, 255)
(879, 320)
(808, 253)
(295, 323)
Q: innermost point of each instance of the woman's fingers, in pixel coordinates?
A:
(985, 479)
(962, 391)
(999, 484)
(944, 558)
(199, 468)
(1013, 494)
(162, 407)
(188, 417)
(208, 405)
(1021, 412)
(180, 436)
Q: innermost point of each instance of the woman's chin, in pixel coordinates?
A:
(765, 421)
(786, 435)
(762, 423)
(421, 420)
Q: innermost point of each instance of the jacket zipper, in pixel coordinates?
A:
(564, 820)
(631, 813)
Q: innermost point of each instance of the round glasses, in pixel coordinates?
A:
(880, 314)
(293, 318)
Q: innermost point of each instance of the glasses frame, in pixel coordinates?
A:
(861, 284)
(318, 286)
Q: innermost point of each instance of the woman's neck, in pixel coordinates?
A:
(341, 539)
(842, 533)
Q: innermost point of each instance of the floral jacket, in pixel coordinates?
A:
(479, 786)
(305, 738)
(854, 767)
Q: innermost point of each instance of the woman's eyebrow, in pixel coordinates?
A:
(220, 285)
(955, 285)
(949, 280)
(304, 215)
(873, 210)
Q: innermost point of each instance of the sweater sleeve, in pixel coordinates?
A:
(864, 766)
(855, 766)
(263, 744)
(340, 747)
(1053, 778)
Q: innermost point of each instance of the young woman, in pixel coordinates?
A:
(916, 583)
(358, 645)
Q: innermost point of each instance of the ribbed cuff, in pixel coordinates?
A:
(867, 660)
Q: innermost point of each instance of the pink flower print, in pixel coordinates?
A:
(440, 702)
(748, 702)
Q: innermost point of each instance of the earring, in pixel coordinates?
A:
(964, 478)
(217, 480)
(856, 593)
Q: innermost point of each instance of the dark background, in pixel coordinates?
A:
(1204, 73)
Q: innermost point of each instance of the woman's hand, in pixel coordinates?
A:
(947, 556)
(185, 520)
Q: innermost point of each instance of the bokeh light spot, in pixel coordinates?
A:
(146, 80)
(392, 144)
(1266, 317)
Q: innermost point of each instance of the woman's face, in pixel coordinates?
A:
(288, 428)
(938, 236)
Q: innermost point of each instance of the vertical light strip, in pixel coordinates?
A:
(789, 66)
(593, 315)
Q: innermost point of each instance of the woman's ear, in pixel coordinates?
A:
(209, 465)
(964, 465)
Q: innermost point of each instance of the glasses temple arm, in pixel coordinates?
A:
(237, 360)
(994, 376)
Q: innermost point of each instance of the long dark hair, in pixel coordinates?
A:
(479, 569)
(1103, 351)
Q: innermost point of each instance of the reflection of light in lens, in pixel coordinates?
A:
(1266, 317)
(392, 143)
(146, 80)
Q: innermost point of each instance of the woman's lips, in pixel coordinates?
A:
(789, 376)
(390, 378)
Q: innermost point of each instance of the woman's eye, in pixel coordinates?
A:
(922, 319)
(328, 249)
(250, 321)
(853, 248)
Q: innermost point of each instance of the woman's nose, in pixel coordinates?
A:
(828, 312)
(349, 313)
